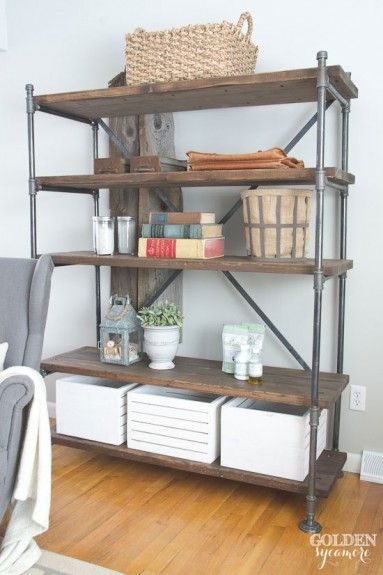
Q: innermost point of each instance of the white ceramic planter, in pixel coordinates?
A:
(161, 345)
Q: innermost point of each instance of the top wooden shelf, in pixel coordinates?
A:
(285, 87)
(192, 179)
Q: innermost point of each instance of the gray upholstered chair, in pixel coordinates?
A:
(24, 297)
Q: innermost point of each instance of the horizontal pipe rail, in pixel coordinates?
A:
(65, 190)
(338, 187)
(46, 110)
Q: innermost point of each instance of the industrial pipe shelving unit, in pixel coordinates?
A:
(307, 386)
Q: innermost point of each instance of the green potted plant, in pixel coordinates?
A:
(161, 323)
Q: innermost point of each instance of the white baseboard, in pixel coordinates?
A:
(51, 409)
(353, 463)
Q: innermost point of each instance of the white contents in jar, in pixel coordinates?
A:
(241, 363)
(103, 228)
(255, 365)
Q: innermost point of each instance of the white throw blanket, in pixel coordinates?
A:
(32, 494)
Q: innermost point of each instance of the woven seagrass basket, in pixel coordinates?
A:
(195, 51)
(276, 222)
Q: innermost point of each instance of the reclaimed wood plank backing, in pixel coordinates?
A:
(196, 178)
(291, 86)
(156, 137)
(123, 200)
(227, 263)
(143, 135)
(283, 385)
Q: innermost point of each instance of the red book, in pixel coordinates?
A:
(180, 248)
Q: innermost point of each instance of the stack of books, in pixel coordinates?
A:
(193, 235)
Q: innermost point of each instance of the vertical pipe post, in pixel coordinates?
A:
(309, 525)
(96, 211)
(342, 277)
(32, 168)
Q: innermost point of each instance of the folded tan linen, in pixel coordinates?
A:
(272, 154)
(273, 158)
(285, 163)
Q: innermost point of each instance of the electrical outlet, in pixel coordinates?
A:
(358, 397)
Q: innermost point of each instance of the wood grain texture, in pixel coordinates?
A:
(123, 201)
(289, 386)
(329, 464)
(112, 165)
(195, 179)
(291, 86)
(156, 137)
(147, 520)
(143, 135)
(226, 263)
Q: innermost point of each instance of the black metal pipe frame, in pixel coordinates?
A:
(32, 168)
(119, 144)
(162, 288)
(65, 190)
(302, 132)
(342, 277)
(335, 94)
(115, 139)
(165, 200)
(63, 114)
(310, 525)
(126, 154)
(293, 142)
(267, 321)
(96, 210)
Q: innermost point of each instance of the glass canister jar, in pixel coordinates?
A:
(103, 235)
(126, 234)
(241, 363)
(255, 366)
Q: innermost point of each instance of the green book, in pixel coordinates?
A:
(185, 231)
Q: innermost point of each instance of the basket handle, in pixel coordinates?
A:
(246, 16)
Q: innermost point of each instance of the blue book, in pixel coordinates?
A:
(179, 231)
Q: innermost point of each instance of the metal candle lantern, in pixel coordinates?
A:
(121, 334)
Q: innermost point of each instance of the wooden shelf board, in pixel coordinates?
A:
(328, 465)
(289, 176)
(285, 87)
(226, 263)
(282, 385)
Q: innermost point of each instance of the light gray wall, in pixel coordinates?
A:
(63, 45)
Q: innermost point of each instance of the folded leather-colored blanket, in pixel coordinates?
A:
(268, 159)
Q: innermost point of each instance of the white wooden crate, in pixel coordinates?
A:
(92, 408)
(268, 438)
(174, 422)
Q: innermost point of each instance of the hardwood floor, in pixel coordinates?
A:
(144, 520)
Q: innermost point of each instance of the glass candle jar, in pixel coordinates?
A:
(126, 235)
(103, 235)
(241, 363)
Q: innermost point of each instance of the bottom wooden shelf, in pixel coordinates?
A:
(329, 465)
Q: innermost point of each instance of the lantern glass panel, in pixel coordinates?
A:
(112, 346)
(135, 346)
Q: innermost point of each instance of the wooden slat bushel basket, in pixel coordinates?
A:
(276, 222)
